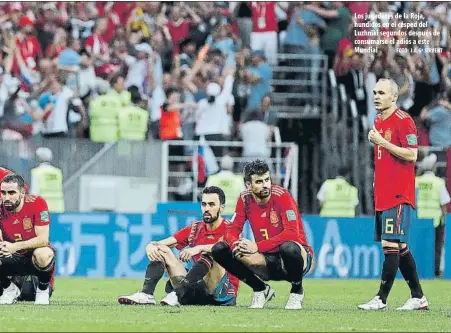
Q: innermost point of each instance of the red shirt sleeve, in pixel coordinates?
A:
(289, 214)
(41, 212)
(182, 237)
(236, 223)
(408, 135)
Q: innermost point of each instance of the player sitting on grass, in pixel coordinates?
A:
(206, 283)
(24, 245)
(281, 251)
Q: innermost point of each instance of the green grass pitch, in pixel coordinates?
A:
(330, 305)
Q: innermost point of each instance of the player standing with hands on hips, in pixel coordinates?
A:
(394, 135)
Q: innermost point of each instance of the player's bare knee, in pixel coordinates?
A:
(391, 244)
(216, 272)
(43, 257)
(402, 246)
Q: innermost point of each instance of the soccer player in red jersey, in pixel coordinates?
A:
(206, 283)
(394, 136)
(281, 250)
(24, 242)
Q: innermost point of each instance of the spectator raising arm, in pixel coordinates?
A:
(324, 13)
(192, 13)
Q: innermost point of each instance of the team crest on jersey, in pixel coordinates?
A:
(27, 224)
(387, 135)
(273, 218)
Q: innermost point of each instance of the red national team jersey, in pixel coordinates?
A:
(30, 49)
(264, 16)
(272, 224)
(394, 178)
(197, 234)
(178, 33)
(19, 226)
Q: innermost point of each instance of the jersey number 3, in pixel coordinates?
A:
(265, 233)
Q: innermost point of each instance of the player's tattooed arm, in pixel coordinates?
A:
(169, 242)
(244, 247)
(155, 249)
(190, 252)
(205, 248)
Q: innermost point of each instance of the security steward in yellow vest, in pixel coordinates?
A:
(432, 198)
(104, 118)
(47, 181)
(337, 197)
(133, 120)
(231, 183)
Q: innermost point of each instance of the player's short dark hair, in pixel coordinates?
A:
(215, 190)
(256, 167)
(14, 178)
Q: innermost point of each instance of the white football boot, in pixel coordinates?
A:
(260, 298)
(42, 296)
(10, 294)
(294, 302)
(415, 304)
(171, 299)
(138, 298)
(375, 304)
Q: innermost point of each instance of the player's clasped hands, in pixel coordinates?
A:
(154, 253)
(374, 136)
(244, 247)
(187, 254)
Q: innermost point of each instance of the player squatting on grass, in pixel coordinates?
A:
(206, 283)
(27, 266)
(394, 136)
(281, 251)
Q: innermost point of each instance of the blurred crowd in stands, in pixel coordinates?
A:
(202, 69)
